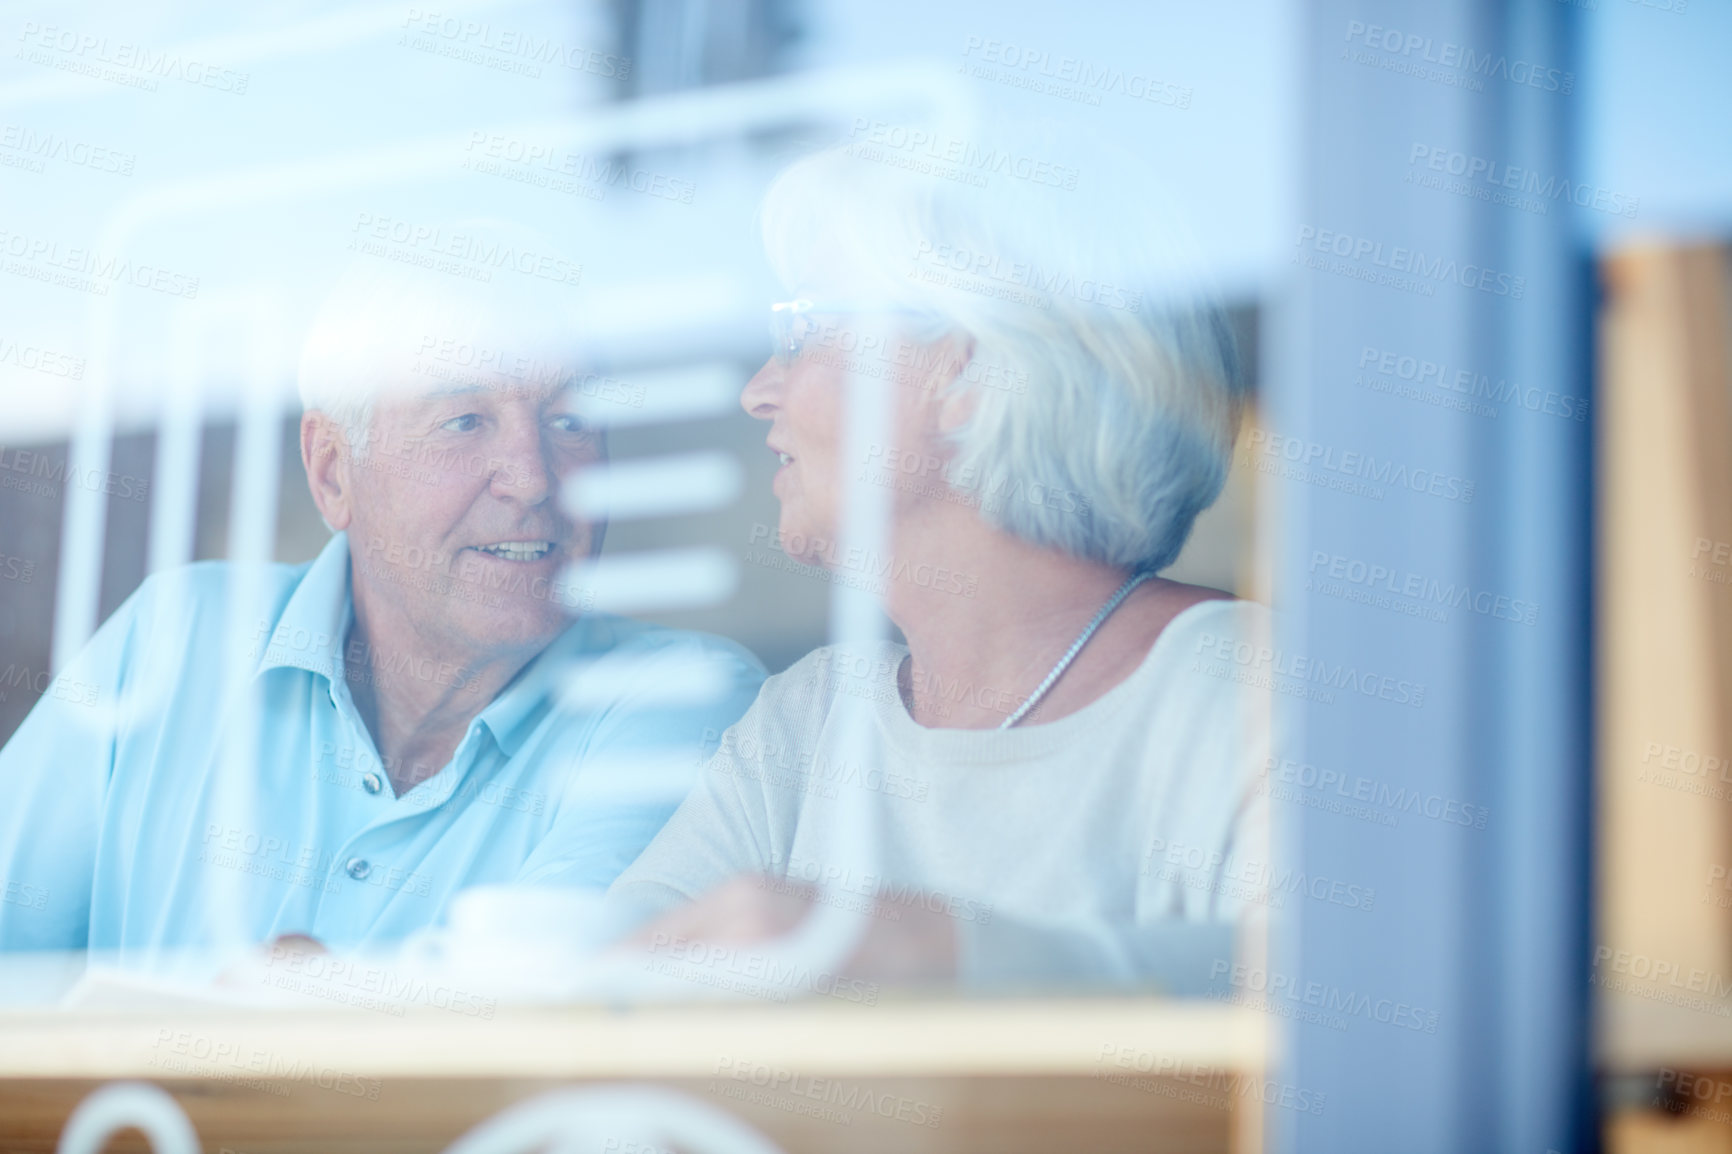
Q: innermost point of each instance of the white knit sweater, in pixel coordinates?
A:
(1115, 844)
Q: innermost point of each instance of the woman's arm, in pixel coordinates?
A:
(721, 830)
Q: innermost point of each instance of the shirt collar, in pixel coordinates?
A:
(309, 632)
(315, 623)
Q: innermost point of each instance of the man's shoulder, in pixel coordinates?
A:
(616, 658)
(200, 600)
(217, 579)
(601, 635)
(181, 630)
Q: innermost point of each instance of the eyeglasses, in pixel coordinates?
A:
(792, 322)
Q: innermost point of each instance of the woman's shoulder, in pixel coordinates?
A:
(1212, 641)
(810, 686)
(1208, 695)
(1201, 615)
(1220, 613)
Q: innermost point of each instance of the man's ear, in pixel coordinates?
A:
(956, 405)
(325, 455)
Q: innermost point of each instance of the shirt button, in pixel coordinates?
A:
(358, 868)
(371, 783)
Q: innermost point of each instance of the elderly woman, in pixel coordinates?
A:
(1062, 773)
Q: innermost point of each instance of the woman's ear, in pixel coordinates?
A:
(956, 404)
(324, 453)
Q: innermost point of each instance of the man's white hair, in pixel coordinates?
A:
(1105, 377)
(470, 302)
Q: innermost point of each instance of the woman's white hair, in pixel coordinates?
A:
(1105, 378)
(494, 305)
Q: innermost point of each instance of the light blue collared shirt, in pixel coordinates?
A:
(136, 813)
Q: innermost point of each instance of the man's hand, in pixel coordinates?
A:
(901, 944)
(251, 970)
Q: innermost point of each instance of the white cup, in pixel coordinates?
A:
(527, 940)
(529, 917)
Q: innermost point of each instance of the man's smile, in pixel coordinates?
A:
(531, 550)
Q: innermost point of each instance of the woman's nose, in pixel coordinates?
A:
(762, 394)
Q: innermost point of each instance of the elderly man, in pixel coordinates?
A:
(333, 749)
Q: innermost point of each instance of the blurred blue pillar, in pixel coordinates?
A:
(1425, 370)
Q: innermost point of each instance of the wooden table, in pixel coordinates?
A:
(1097, 1074)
